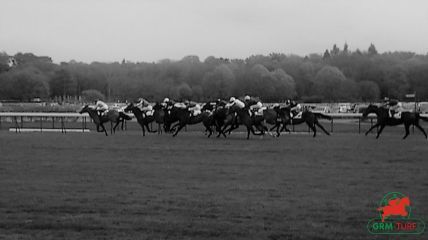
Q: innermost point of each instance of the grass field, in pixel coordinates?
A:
(87, 186)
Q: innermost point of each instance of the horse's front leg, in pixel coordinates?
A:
(374, 126)
(115, 126)
(104, 129)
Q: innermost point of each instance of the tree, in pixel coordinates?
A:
(335, 50)
(345, 48)
(62, 84)
(372, 50)
(326, 55)
(284, 86)
(368, 91)
(396, 83)
(332, 85)
(24, 84)
(184, 91)
(91, 95)
(218, 83)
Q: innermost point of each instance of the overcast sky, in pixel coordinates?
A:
(151, 30)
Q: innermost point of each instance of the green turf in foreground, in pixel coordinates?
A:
(87, 186)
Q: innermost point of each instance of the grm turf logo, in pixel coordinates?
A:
(395, 217)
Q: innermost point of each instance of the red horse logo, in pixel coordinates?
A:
(396, 206)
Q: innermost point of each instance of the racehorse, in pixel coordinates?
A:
(308, 117)
(142, 118)
(159, 115)
(383, 119)
(183, 117)
(275, 116)
(245, 119)
(112, 116)
(215, 118)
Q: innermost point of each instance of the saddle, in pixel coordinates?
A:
(149, 113)
(395, 115)
(297, 115)
(194, 113)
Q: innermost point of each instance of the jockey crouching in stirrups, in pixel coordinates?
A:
(232, 103)
(194, 108)
(145, 107)
(101, 107)
(394, 107)
(255, 107)
(295, 109)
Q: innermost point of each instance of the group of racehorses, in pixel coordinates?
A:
(219, 118)
(214, 117)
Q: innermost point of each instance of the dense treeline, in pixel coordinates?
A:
(337, 75)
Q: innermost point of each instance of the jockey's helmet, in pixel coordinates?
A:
(247, 98)
(232, 99)
(166, 100)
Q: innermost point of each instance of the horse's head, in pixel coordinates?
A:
(370, 109)
(129, 107)
(207, 107)
(158, 106)
(84, 109)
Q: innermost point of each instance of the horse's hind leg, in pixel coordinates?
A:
(142, 129)
(159, 129)
(322, 128)
(210, 131)
(374, 126)
(422, 130)
(115, 126)
(104, 129)
(406, 127)
(312, 127)
(380, 131)
(150, 129)
(178, 129)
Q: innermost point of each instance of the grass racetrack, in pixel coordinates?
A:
(88, 186)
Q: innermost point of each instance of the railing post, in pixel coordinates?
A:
(359, 125)
(331, 125)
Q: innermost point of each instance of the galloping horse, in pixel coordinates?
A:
(184, 117)
(275, 116)
(112, 116)
(142, 118)
(245, 119)
(308, 117)
(159, 115)
(383, 119)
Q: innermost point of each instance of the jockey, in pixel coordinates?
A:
(194, 108)
(101, 107)
(168, 103)
(295, 108)
(220, 103)
(253, 104)
(393, 106)
(144, 106)
(235, 102)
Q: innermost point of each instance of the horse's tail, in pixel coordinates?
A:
(423, 118)
(124, 116)
(321, 115)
